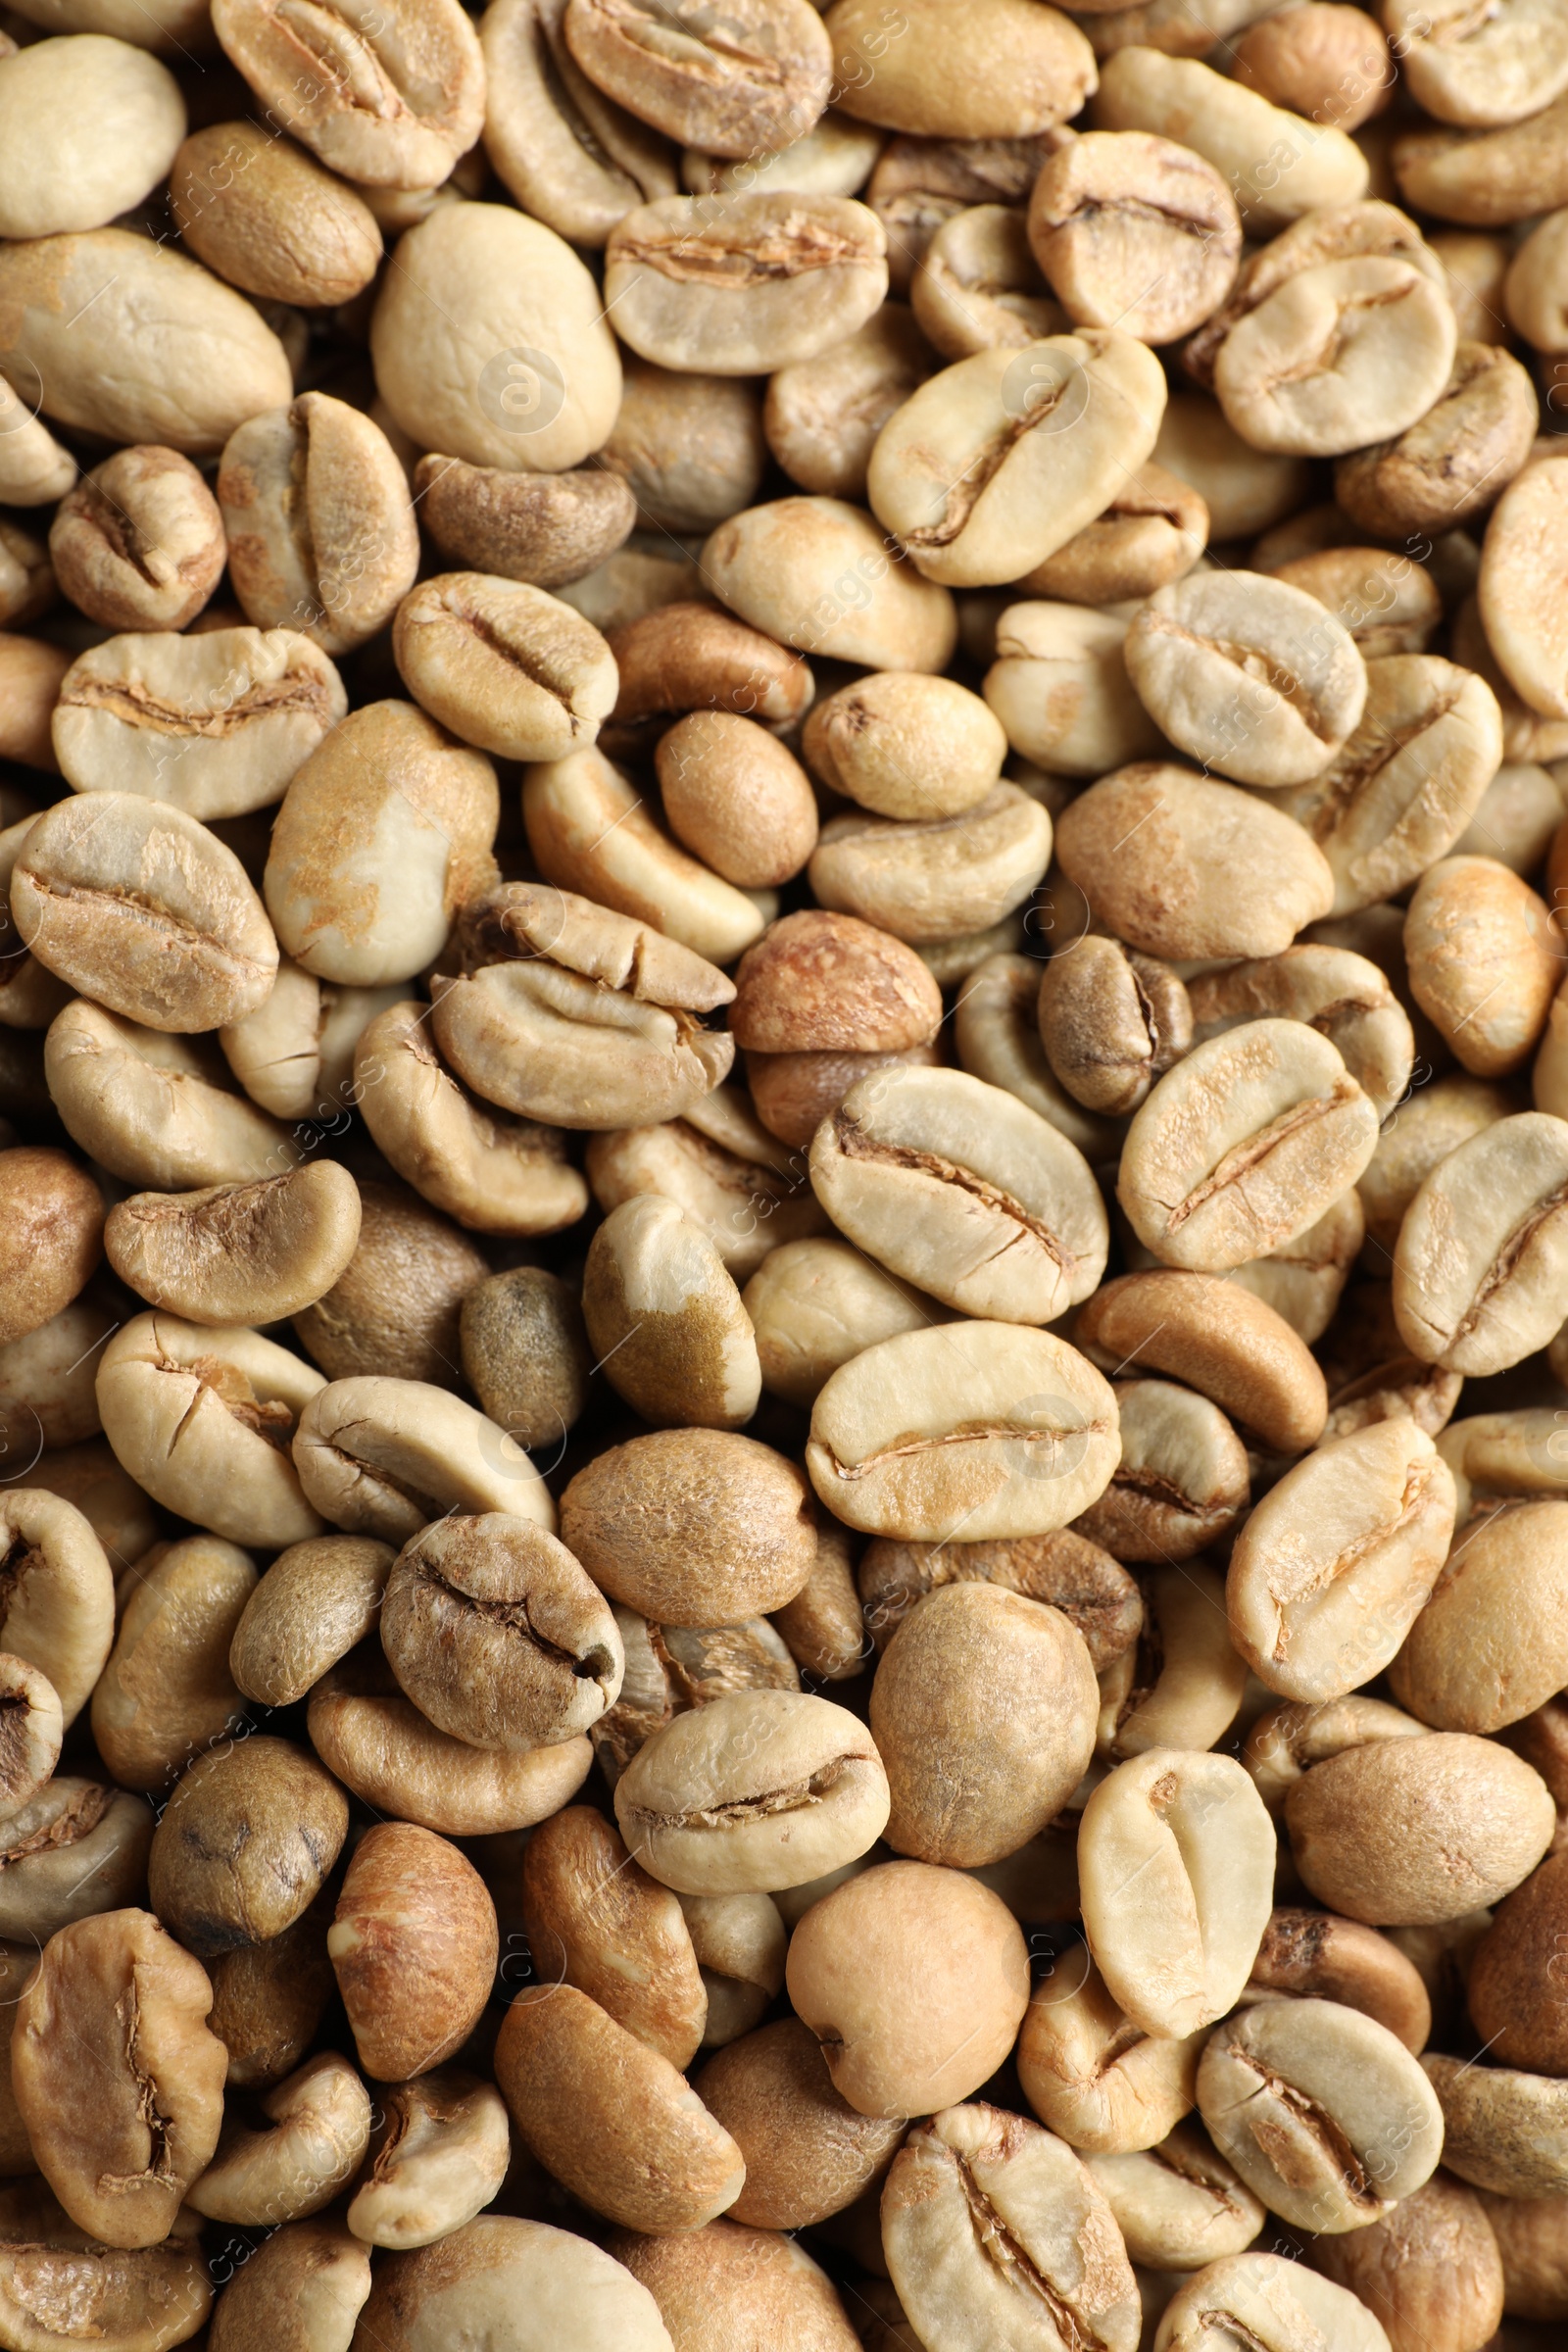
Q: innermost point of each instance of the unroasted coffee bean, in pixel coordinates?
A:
(1278, 166)
(661, 1305)
(320, 2128)
(386, 1457)
(822, 416)
(1062, 1570)
(1182, 1481)
(1112, 1021)
(1004, 77)
(807, 2152)
(1516, 2000)
(595, 1919)
(265, 216)
(244, 1844)
(1490, 1639)
(1312, 1954)
(436, 2160)
(692, 1528)
(1502, 2128)
(976, 285)
(138, 544)
(714, 2282)
(568, 154)
(762, 83)
(414, 1945)
(1135, 231)
(1281, 2304)
(238, 1253)
(821, 575)
(528, 2270)
(1093, 2076)
(902, 876)
(1345, 996)
(395, 1306)
(547, 528)
(1178, 2205)
(51, 1216)
(1430, 2271)
(1485, 959)
(1183, 1685)
(1477, 1303)
(1219, 1339)
(733, 795)
(503, 664)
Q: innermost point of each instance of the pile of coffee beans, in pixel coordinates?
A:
(783, 1176)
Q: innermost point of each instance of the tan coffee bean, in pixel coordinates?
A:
(396, 102)
(1499, 71)
(384, 832)
(138, 544)
(1312, 1954)
(321, 536)
(527, 2271)
(1518, 816)
(31, 672)
(692, 1528)
(1062, 1570)
(1517, 599)
(597, 1921)
(905, 878)
(1268, 1109)
(545, 528)
(807, 2152)
(834, 157)
(414, 1945)
(46, 1380)
(1091, 2074)
(740, 286)
(1283, 2304)
(1448, 465)
(1337, 1560)
(1244, 490)
(822, 416)
(1178, 2205)
(672, 1668)
(822, 1626)
(1474, 932)
(759, 85)
(985, 1426)
(504, 666)
(242, 1253)
(913, 1979)
(1431, 2267)
(1517, 2001)
(660, 1304)
(212, 363)
(111, 2025)
(267, 218)
(34, 468)
(1345, 996)
(1060, 687)
(794, 1093)
(52, 1218)
(951, 2185)
(1488, 1645)
(904, 746)
(1176, 896)
(1502, 2128)
(437, 2159)
(1112, 1021)
(1526, 733)
(316, 1600)
(384, 1458)
(823, 982)
(686, 656)
(76, 1849)
(1475, 265)
(37, 1730)
(321, 2120)
(1184, 1684)
(525, 1352)
(244, 1846)
(1387, 335)
(215, 725)
(200, 1419)
(395, 1305)
(1387, 604)
(494, 1174)
(976, 285)
(712, 2282)
(390, 1756)
(1217, 1338)
(26, 577)
(1287, 1740)
(1433, 1123)
(128, 2297)
(1278, 167)
(1154, 532)
(733, 795)
(1004, 75)
(1331, 64)
(935, 1175)
(570, 155)
(88, 126)
(1182, 1481)
(739, 1940)
(1482, 1303)
(813, 1304)
(545, 388)
(1529, 2233)
(166, 1691)
(978, 474)
(1135, 231)
(757, 1789)
(820, 576)
(1417, 1830)
(1194, 1830)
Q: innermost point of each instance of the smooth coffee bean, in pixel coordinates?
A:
(385, 1457)
(243, 1253)
(267, 218)
(525, 1352)
(902, 876)
(1474, 932)
(1007, 76)
(436, 2160)
(1480, 1304)
(1488, 1641)
(904, 746)
(808, 2154)
(595, 1919)
(570, 155)
(165, 1692)
(813, 1304)
(1313, 1955)
(138, 544)
(316, 1600)
(692, 1528)
(245, 1845)
(1178, 2206)
(1502, 2128)
(1182, 1481)
(1091, 2074)
(1184, 1684)
(712, 2282)
(1516, 2000)
(527, 2269)
(661, 1305)
(414, 1946)
(52, 1213)
(689, 446)
(734, 795)
(821, 416)
(117, 118)
(1135, 231)
(683, 657)
(1282, 2304)
(396, 1303)
(1278, 166)
(1287, 1740)
(821, 576)
(1219, 1339)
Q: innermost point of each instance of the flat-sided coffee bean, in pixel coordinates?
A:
(238, 1253)
(543, 528)
(1093, 2076)
(744, 88)
(1182, 1481)
(139, 542)
(1278, 167)
(976, 285)
(907, 877)
(1481, 1266)
(1282, 2304)
(1492, 1641)
(504, 666)
(570, 155)
(820, 574)
(1135, 231)
(1183, 1685)
(1504, 2129)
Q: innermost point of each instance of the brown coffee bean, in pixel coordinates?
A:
(414, 1946)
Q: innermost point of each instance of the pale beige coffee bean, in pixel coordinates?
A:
(1518, 600)
(690, 448)
(984, 1426)
(834, 157)
(138, 544)
(1178, 2205)
(1329, 64)
(998, 1038)
(321, 534)
(48, 2258)
(568, 154)
(1349, 353)
(53, 1215)
(672, 1668)
(152, 1109)
(1389, 605)
(530, 378)
(1499, 71)
(548, 528)
(316, 1600)
(85, 2087)
(384, 832)
(735, 797)
(976, 285)
(741, 285)
(1245, 490)
(818, 574)
(1062, 1570)
(1322, 2111)
(437, 2159)
(974, 2173)
(76, 1849)
(739, 1942)
(1154, 532)
(915, 1979)
(1312, 1954)
(1485, 959)
(526, 2270)
(215, 725)
(1242, 1144)
(46, 1381)
(34, 468)
(504, 666)
(733, 1178)
(744, 89)
(822, 1626)
(904, 746)
(1344, 995)
(587, 1017)
(1112, 1022)
(26, 577)
(714, 2282)
(822, 416)
(393, 102)
(265, 216)
(908, 878)
(1005, 75)
(1412, 1832)
(1060, 687)
(1531, 291)
(1526, 734)
(1176, 1863)
(88, 126)
(1490, 1644)
(1479, 1281)
(1431, 1124)
(320, 2130)
(1447, 466)
(1529, 2236)
(294, 1055)
(238, 1253)
(598, 1921)
(1135, 231)
(813, 1304)
(591, 833)
(1282, 2304)
(1337, 1560)
(37, 1731)
(1182, 1481)
(990, 1695)
(1304, 1279)
(938, 1177)
(384, 1458)
(808, 2154)
(1184, 1684)
(1093, 2076)
(31, 672)
(1519, 813)
(492, 1173)
(1475, 265)
(1502, 2128)
(757, 1789)
(1174, 893)
(201, 1417)
(998, 461)
(1249, 677)
(1277, 166)
(1402, 790)
(209, 363)
(666, 1319)
(137, 904)
(1501, 1457)
(1287, 1740)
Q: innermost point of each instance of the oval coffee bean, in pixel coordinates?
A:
(238, 1253)
(1481, 1265)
